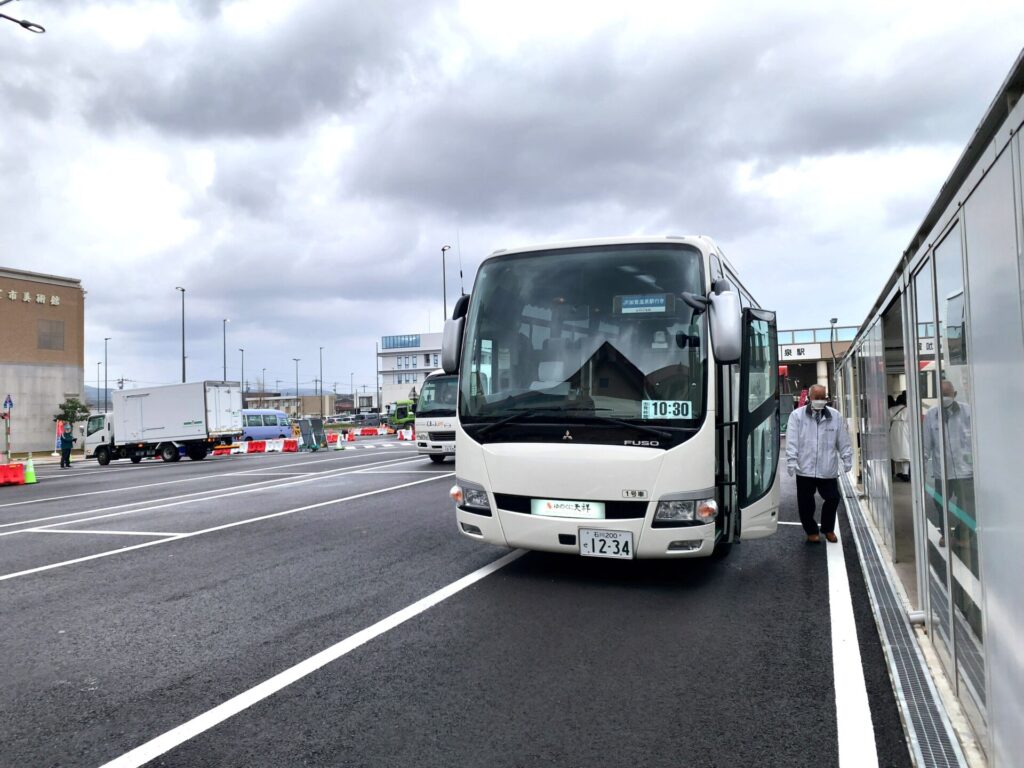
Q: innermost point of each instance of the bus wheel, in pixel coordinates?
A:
(169, 452)
(437, 458)
(103, 456)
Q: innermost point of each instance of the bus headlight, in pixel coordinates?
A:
(686, 511)
(470, 497)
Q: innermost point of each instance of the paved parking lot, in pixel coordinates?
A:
(320, 609)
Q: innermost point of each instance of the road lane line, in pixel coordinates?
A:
(185, 498)
(232, 473)
(180, 536)
(785, 523)
(102, 533)
(853, 713)
(204, 722)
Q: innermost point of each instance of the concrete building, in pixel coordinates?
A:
(403, 362)
(948, 328)
(42, 343)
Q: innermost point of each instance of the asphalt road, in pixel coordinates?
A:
(137, 598)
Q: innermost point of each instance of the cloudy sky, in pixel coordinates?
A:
(297, 165)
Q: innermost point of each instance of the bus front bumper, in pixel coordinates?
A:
(557, 534)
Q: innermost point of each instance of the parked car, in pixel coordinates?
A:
(365, 420)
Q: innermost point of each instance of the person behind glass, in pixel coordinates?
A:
(899, 438)
(816, 440)
(959, 457)
(67, 442)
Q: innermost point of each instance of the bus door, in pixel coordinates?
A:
(758, 440)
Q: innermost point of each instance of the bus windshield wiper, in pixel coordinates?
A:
(521, 413)
(622, 422)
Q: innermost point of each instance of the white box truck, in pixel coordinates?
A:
(157, 421)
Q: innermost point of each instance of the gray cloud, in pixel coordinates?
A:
(321, 58)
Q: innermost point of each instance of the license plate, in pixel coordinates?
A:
(595, 542)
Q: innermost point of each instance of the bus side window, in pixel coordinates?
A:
(716, 268)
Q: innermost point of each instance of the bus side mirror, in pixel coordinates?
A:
(451, 342)
(726, 320)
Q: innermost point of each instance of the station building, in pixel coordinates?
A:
(404, 362)
(948, 328)
(42, 352)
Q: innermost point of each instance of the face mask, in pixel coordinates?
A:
(948, 401)
(818, 404)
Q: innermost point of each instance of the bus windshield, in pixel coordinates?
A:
(438, 396)
(587, 335)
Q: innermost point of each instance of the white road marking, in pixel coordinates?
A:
(185, 498)
(396, 471)
(179, 537)
(103, 533)
(197, 725)
(784, 523)
(247, 473)
(853, 713)
(176, 481)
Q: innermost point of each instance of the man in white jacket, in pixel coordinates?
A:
(816, 439)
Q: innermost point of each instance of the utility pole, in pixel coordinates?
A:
(105, 340)
(320, 392)
(298, 402)
(179, 288)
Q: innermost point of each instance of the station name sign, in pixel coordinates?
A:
(800, 352)
(27, 297)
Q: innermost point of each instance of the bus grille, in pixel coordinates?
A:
(441, 437)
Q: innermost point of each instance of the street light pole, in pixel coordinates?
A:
(321, 389)
(243, 374)
(224, 327)
(105, 340)
(444, 284)
(98, 364)
(182, 333)
(263, 387)
(351, 378)
(297, 401)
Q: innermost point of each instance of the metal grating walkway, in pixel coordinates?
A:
(929, 733)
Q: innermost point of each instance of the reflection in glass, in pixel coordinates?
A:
(931, 501)
(949, 441)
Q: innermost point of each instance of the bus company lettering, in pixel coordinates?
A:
(570, 506)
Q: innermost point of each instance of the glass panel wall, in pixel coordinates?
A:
(875, 430)
(950, 421)
(925, 398)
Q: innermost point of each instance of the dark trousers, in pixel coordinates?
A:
(828, 489)
(65, 457)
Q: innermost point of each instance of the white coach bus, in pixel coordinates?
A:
(617, 398)
(436, 417)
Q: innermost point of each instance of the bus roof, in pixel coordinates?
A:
(702, 242)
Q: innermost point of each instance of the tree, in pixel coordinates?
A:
(72, 410)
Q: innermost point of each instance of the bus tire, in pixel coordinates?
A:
(437, 458)
(103, 455)
(169, 452)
